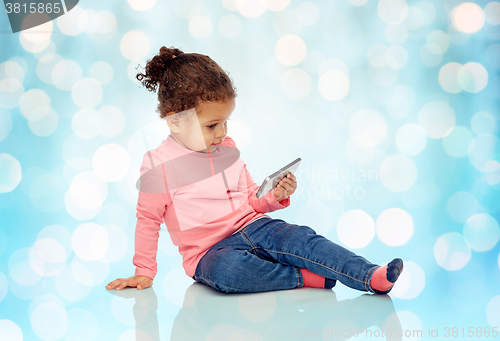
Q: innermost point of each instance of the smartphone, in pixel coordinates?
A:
(272, 180)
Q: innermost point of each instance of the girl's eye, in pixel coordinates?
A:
(213, 125)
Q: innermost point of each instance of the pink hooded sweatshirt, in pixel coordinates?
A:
(202, 198)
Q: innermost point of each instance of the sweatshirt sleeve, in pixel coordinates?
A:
(151, 205)
(264, 204)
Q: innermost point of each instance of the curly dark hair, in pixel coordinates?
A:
(184, 80)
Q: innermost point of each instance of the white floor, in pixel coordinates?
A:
(304, 313)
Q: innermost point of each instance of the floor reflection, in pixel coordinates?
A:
(279, 315)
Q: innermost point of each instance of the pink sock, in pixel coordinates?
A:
(384, 277)
(312, 280)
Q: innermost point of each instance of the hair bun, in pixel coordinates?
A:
(167, 54)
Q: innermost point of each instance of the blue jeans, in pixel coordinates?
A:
(268, 253)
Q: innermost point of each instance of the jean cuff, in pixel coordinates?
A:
(369, 277)
(300, 279)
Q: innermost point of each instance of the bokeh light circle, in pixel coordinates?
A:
(276, 5)
(396, 34)
(200, 26)
(45, 125)
(307, 13)
(74, 22)
(87, 123)
(483, 122)
(4, 288)
(437, 118)
(135, 45)
(45, 66)
(483, 149)
(392, 11)
(394, 227)
(482, 231)
(396, 57)
(452, 251)
(112, 121)
(141, 5)
(87, 191)
(493, 311)
(11, 69)
(456, 144)
(472, 77)
(82, 325)
(491, 54)
(415, 18)
(102, 72)
(286, 22)
(410, 139)
(296, 83)
(410, 283)
(37, 39)
(49, 321)
(400, 101)
(46, 192)
(461, 206)
(11, 92)
(65, 74)
(24, 267)
(229, 26)
(492, 12)
(437, 41)
(10, 331)
(35, 104)
(448, 77)
(334, 85)
(53, 254)
(87, 93)
(10, 173)
(90, 241)
(398, 173)
(355, 228)
(367, 127)
(430, 58)
(111, 162)
(467, 17)
(290, 50)
(251, 8)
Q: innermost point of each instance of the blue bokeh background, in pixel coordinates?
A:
(393, 107)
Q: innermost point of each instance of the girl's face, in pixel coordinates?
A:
(202, 129)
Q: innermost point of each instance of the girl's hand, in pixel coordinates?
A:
(141, 282)
(285, 187)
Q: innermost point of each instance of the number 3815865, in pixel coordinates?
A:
(33, 8)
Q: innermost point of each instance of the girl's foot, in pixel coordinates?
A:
(384, 277)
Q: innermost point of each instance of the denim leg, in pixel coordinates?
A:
(300, 246)
(232, 266)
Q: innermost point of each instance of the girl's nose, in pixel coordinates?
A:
(221, 133)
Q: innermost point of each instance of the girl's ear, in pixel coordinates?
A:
(173, 123)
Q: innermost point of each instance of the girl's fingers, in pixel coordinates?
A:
(129, 282)
(144, 284)
(286, 186)
(122, 285)
(114, 283)
(133, 281)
